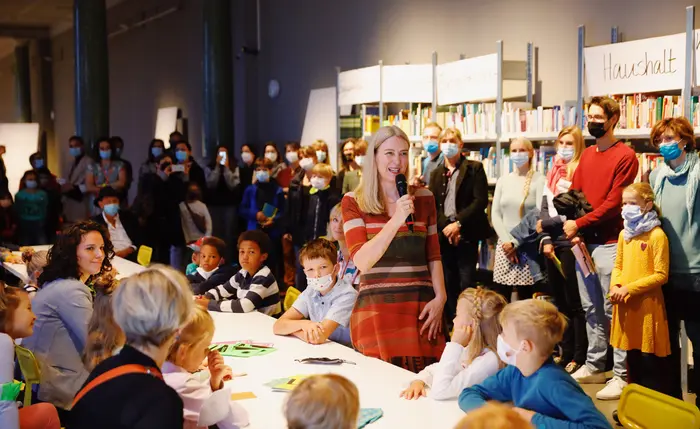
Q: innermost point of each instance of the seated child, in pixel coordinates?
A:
(211, 271)
(35, 262)
(322, 311)
(253, 287)
(105, 337)
(195, 247)
(202, 407)
(17, 321)
(493, 416)
(471, 356)
(542, 392)
(323, 401)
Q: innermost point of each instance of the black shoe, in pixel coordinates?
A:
(617, 419)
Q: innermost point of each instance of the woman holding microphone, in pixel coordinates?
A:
(398, 315)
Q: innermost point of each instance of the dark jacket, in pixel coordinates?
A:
(200, 286)
(298, 201)
(130, 401)
(196, 175)
(472, 197)
(319, 211)
(130, 223)
(159, 207)
(254, 198)
(526, 234)
(570, 205)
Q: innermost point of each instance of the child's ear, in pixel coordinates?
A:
(528, 346)
(263, 257)
(222, 261)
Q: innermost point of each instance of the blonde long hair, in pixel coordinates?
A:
(367, 193)
(485, 306)
(104, 335)
(579, 147)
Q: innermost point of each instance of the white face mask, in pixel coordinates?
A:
(566, 153)
(320, 284)
(519, 158)
(359, 160)
(506, 353)
(271, 156)
(247, 157)
(307, 164)
(292, 157)
(321, 155)
(318, 182)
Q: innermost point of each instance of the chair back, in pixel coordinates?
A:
(643, 408)
(30, 371)
(291, 296)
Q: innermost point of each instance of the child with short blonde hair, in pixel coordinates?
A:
(494, 416)
(471, 356)
(323, 195)
(196, 389)
(639, 323)
(542, 392)
(323, 401)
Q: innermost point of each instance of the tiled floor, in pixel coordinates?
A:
(607, 407)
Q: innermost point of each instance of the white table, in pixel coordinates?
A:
(378, 382)
(124, 267)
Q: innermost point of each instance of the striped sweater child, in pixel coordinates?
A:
(245, 293)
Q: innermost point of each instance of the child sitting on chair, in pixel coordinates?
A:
(253, 288)
(323, 401)
(35, 263)
(323, 309)
(542, 392)
(17, 321)
(212, 271)
(202, 407)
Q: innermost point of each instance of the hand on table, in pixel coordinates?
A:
(618, 294)
(312, 332)
(432, 313)
(124, 253)
(202, 301)
(414, 391)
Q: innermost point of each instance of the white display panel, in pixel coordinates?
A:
(472, 79)
(320, 122)
(20, 141)
(359, 86)
(409, 83)
(166, 123)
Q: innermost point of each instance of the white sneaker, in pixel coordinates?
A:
(612, 390)
(586, 376)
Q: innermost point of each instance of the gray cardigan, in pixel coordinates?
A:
(63, 310)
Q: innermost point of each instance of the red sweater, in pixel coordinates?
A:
(602, 176)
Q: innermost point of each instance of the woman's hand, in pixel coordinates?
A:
(414, 391)
(432, 313)
(404, 208)
(511, 253)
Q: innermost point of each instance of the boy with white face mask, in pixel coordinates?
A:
(322, 311)
(541, 391)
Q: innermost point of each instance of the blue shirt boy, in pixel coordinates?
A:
(336, 305)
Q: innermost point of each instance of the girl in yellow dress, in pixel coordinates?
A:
(639, 323)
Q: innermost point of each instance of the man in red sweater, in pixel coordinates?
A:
(602, 174)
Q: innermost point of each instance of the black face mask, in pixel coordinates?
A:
(194, 196)
(597, 129)
(348, 158)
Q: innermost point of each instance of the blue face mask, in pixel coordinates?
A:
(432, 146)
(75, 152)
(631, 213)
(111, 209)
(670, 151)
(181, 155)
(566, 153)
(449, 149)
(320, 155)
(31, 184)
(105, 154)
(38, 163)
(156, 151)
(519, 158)
(262, 176)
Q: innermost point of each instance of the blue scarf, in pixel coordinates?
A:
(640, 225)
(691, 168)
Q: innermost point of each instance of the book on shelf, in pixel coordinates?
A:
(350, 126)
(642, 111)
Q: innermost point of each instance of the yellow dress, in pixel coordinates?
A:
(641, 265)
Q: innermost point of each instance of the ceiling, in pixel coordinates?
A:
(54, 14)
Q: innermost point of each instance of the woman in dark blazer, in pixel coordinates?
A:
(461, 195)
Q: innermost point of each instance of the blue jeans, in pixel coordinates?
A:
(598, 310)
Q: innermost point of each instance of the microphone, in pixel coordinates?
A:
(402, 187)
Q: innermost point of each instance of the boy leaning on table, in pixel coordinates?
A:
(541, 391)
(323, 310)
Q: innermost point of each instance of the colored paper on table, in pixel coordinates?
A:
(276, 381)
(239, 396)
(249, 342)
(241, 350)
(269, 210)
(369, 415)
(289, 384)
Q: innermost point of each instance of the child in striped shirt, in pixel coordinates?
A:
(253, 288)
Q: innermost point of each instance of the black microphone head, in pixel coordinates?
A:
(401, 184)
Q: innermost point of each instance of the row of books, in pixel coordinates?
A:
(644, 110)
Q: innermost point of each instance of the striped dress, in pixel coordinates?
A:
(384, 323)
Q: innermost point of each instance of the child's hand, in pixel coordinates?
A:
(217, 369)
(618, 294)
(548, 251)
(260, 217)
(201, 301)
(414, 391)
(228, 373)
(527, 415)
(462, 335)
(312, 332)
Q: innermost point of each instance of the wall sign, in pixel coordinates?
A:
(469, 80)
